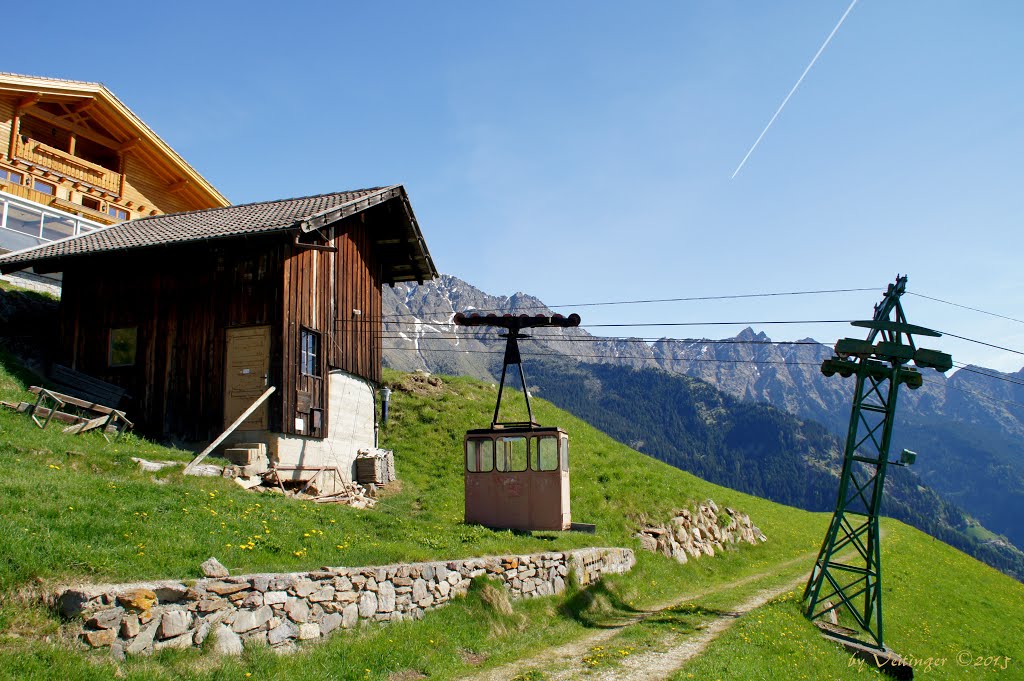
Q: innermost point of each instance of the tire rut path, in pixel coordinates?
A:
(566, 661)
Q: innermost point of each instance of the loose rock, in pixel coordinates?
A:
(213, 568)
(226, 642)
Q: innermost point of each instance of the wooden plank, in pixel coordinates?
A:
(886, 660)
(74, 401)
(315, 475)
(88, 425)
(223, 436)
(23, 407)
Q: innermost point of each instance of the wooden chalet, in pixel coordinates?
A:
(195, 314)
(74, 158)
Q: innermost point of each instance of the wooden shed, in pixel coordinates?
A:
(196, 313)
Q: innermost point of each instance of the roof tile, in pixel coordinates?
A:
(199, 225)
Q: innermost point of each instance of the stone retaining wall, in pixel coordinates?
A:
(279, 609)
(702, 531)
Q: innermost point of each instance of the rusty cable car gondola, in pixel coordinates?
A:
(517, 472)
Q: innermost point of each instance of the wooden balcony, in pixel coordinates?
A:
(61, 204)
(94, 215)
(69, 165)
(25, 192)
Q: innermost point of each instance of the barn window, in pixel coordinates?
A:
(123, 344)
(309, 360)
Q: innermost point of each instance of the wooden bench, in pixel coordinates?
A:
(99, 398)
(85, 387)
(102, 416)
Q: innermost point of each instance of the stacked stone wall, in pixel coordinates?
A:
(280, 609)
(699, 532)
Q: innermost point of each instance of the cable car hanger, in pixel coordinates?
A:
(515, 324)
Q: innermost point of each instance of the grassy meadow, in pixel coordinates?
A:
(76, 508)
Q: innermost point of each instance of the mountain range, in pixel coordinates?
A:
(749, 413)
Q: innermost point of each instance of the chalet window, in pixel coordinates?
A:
(11, 176)
(90, 202)
(123, 344)
(119, 213)
(309, 346)
(44, 187)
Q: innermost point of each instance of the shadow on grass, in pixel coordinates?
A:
(598, 607)
(687, 617)
(18, 371)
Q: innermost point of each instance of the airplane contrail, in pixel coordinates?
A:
(799, 80)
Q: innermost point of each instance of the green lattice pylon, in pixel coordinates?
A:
(854, 584)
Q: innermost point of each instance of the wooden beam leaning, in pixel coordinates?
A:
(223, 436)
(88, 425)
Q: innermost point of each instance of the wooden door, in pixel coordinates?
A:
(247, 371)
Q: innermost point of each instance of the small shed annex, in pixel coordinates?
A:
(196, 313)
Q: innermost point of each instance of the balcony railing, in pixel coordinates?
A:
(25, 223)
(69, 165)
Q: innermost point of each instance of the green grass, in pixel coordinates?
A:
(77, 508)
(948, 615)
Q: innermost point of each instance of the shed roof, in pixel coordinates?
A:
(303, 214)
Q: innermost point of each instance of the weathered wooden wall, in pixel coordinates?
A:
(322, 288)
(181, 300)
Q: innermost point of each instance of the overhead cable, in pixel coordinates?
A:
(578, 356)
(979, 342)
(663, 300)
(967, 307)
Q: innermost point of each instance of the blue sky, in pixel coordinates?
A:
(582, 151)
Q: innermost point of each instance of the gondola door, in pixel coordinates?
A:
(549, 482)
